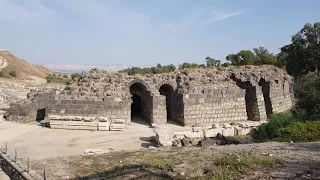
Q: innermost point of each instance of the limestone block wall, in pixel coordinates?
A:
(281, 97)
(216, 105)
(109, 108)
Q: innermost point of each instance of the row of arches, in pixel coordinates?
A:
(142, 102)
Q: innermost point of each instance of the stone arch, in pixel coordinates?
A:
(174, 102)
(141, 106)
(266, 95)
(140, 81)
(172, 84)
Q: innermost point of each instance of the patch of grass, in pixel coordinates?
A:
(13, 73)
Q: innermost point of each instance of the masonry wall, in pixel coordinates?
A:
(109, 108)
(215, 105)
(31, 109)
(280, 97)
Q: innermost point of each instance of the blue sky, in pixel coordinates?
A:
(146, 32)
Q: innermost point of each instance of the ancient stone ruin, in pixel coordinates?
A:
(195, 97)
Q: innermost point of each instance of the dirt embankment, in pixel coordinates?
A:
(21, 67)
(247, 161)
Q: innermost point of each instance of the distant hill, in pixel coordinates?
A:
(22, 68)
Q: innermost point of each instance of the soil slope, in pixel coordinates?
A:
(22, 67)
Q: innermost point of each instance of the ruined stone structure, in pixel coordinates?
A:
(187, 97)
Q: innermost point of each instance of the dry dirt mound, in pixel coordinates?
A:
(21, 67)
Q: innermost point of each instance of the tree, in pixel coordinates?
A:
(303, 54)
(263, 56)
(244, 57)
(212, 62)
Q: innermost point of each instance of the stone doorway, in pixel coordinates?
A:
(141, 107)
(167, 90)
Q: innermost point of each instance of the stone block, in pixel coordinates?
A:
(228, 132)
(226, 125)
(239, 131)
(118, 121)
(94, 123)
(216, 125)
(163, 138)
(117, 127)
(104, 126)
(54, 117)
(194, 134)
(212, 132)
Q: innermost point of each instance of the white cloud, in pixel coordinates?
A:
(28, 11)
(221, 16)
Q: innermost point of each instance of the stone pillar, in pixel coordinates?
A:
(159, 115)
(259, 108)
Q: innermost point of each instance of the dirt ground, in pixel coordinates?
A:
(38, 142)
(298, 161)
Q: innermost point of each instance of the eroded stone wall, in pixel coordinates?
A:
(187, 97)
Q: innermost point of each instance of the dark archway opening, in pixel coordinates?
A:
(250, 96)
(141, 106)
(135, 106)
(41, 114)
(167, 90)
(266, 95)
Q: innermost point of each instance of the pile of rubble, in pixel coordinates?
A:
(199, 136)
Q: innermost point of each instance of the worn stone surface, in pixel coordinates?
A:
(205, 97)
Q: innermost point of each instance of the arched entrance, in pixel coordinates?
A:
(141, 107)
(167, 90)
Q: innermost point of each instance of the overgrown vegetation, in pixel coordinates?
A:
(13, 73)
(289, 127)
(230, 165)
(54, 78)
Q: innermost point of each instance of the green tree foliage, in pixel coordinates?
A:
(212, 62)
(259, 56)
(191, 66)
(303, 54)
(307, 94)
(158, 69)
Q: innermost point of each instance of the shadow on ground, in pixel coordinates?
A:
(131, 172)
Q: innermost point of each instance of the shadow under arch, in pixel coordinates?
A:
(141, 106)
(266, 95)
(174, 104)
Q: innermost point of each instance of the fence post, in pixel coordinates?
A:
(44, 174)
(15, 155)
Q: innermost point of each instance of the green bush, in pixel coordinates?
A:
(300, 132)
(271, 129)
(65, 76)
(13, 73)
(1, 74)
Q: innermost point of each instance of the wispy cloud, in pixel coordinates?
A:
(221, 16)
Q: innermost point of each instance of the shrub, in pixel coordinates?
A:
(13, 73)
(300, 132)
(1, 74)
(271, 129)
(65, 76)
